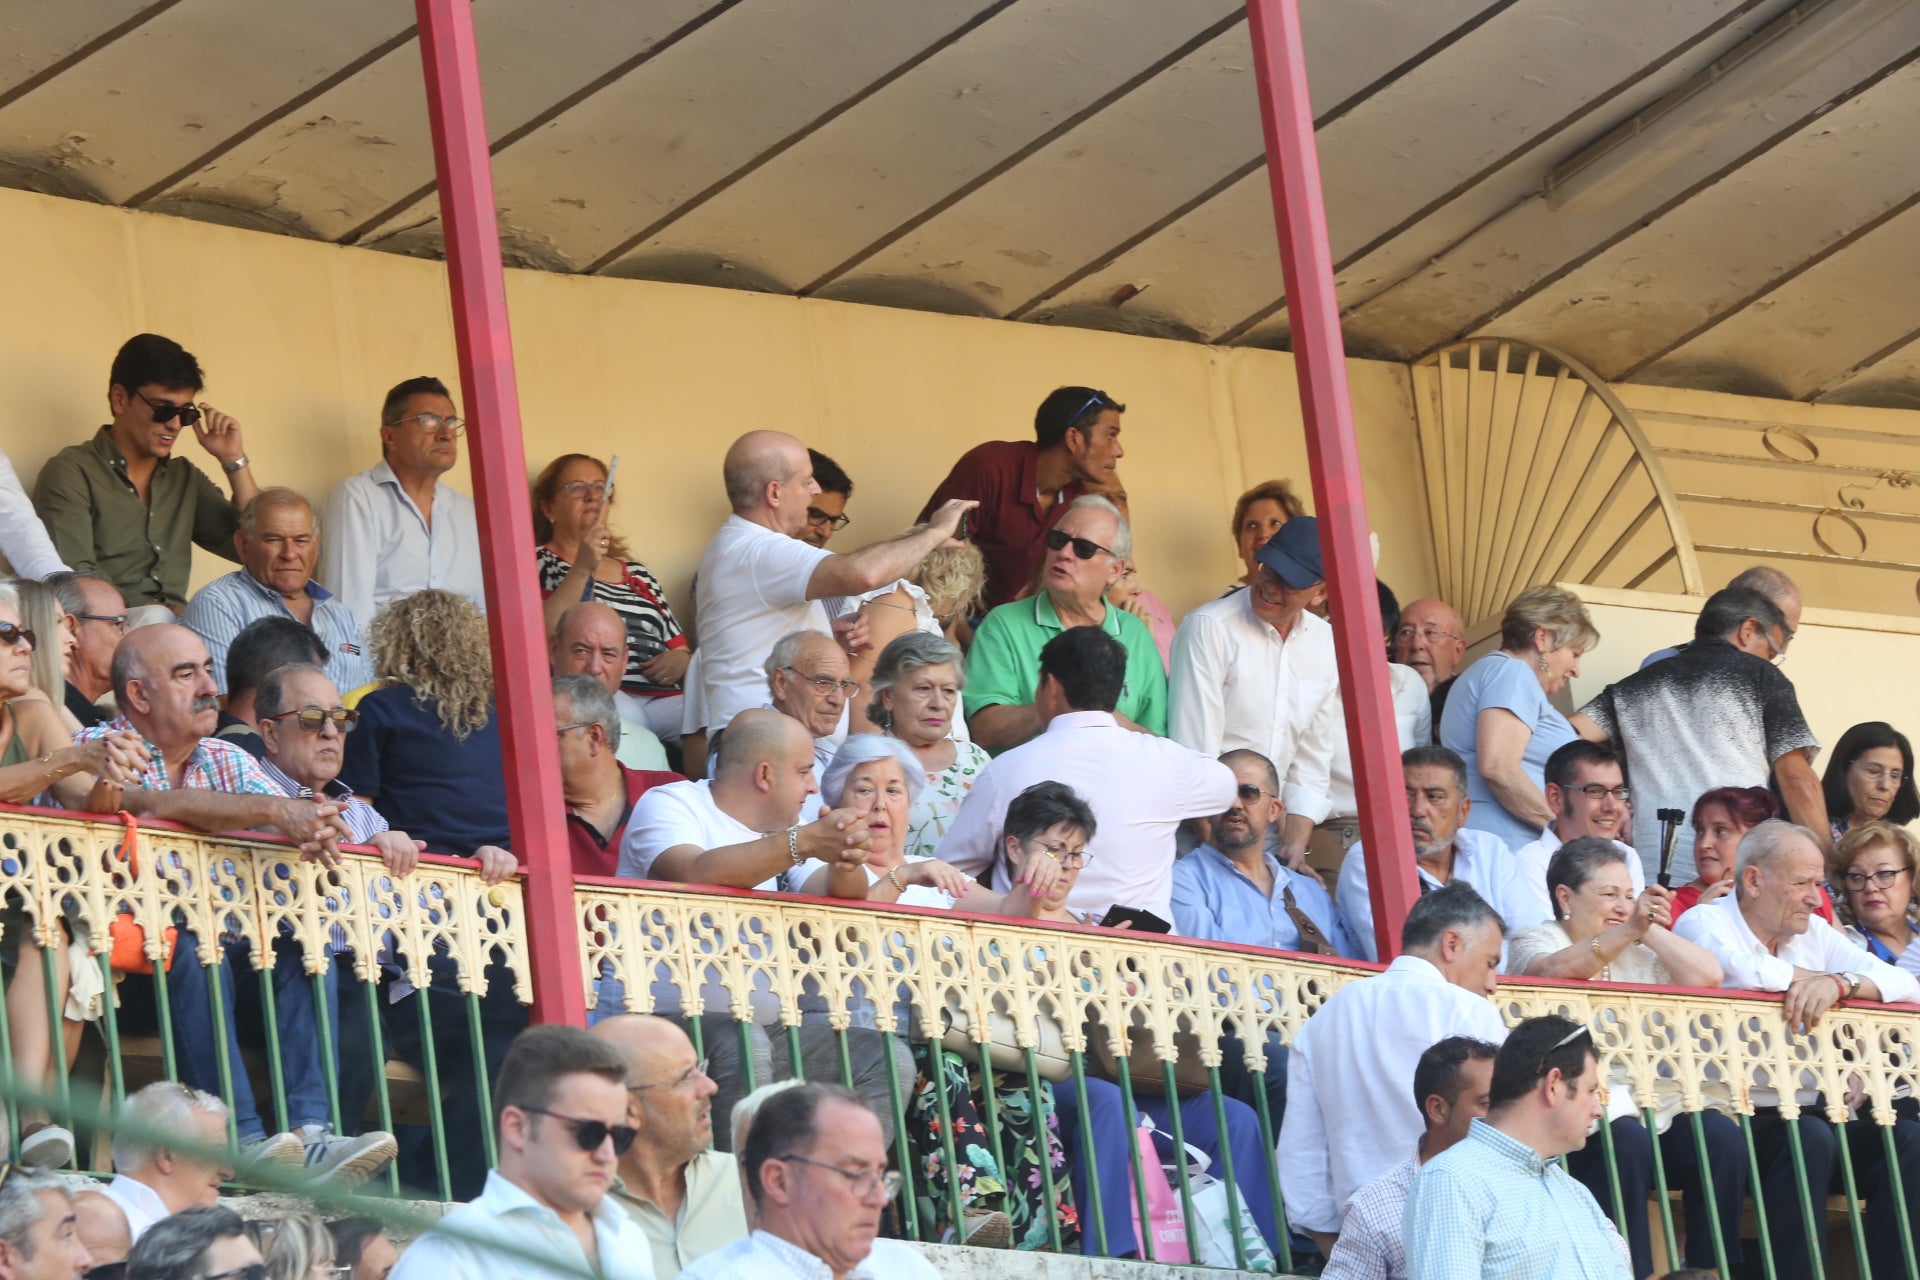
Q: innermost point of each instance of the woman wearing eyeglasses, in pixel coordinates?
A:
(579, 554)
(1869, 778)
(1875, 868)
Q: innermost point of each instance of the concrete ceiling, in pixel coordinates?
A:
(1078, 162)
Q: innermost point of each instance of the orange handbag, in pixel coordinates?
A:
(128, 950)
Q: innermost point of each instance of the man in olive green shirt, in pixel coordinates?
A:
(1086, 552)
(684, 1195)
(122, 504)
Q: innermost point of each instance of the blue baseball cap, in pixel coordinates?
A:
(1294, 553)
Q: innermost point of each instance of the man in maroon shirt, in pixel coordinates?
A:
(1023, 487)
(600, 791)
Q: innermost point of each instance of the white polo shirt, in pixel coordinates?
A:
(752, 590)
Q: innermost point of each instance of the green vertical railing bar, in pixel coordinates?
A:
(846, 1056)
(1853, 1200)
(329, 1063)
(1097, 1210)
(1180, 1154)
(990, 1117)
(1226, 1168)
(11, 1101)
(1706, 1191)
(477, 1041)
(56, 1034)
(384, 1097)
(1759, 1201)
(746, 1055)
(1613, 1175)
(1283, 1247)
(793, 1053)
(436, 1122)
(697, 1033)
(276, 1066)
(1145, 1234)
(1899, 1185)
(1808, 1215)
(1660, 1190)
(163, 1013)
(217, 1001)
(903, 1145)
(937, 1072)
(110, 1028)
(1042, 1113)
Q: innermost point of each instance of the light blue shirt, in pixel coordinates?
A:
(1498, 681)
(219, 610)
(1214, 900)
(377, 546)
(1490, 1208)
(1478, 858)
(465, 1245)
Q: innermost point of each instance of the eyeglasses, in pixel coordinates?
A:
(313, 719)
(1858, 880)
(118, 621)
(579, 488)
(818, 518)
(433, 422)
(1595, 792)
(825, 684)
(1432, 635)
(568, 727)
(1085, 548)
(165, 411)
(106, 1271)
(684, 1078)
(1880, 773)
(591, 1133)
(1071, 859)
(12, 633)
(252, 1271)
(1250, 793)
(1779, 650)
(863, 1181)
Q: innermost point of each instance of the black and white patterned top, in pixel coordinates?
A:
(641, 602)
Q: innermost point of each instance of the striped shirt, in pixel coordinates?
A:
(213, 766)
(220, 609)
(641, 602)
(362, 819)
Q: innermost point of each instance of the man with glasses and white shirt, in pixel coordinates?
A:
(395, 528)
(807, 680)
(1431, 639)
(1589, 797)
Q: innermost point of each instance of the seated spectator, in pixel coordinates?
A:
(1140, 786)
(580, 560)
(827, 513)
(97, 618)
(278, 544)
(916, 695)
(560, 1114)
(815, 1163)
(1258, 514)
(101, 1226)
(1498, 1205)
(1444, 847)
(1499, 719)
(154, 1181)
(1255, 671)
(363, 1249)
(1720, 818)
(296, 1246)
(122, 503)
(1605, 929)
(1431, 639)
(1356, 1056)
(600, 791)
(684, 1195)
(263, 645)
(395, 529)
(1024, 488)
(205, 1243)
(24, 544)
(1874, 869)
(1412, 714)
(592, 641)
(807, 680)
(1086, 550)
(1450, 1086)
(1589, 797)
(1869, 778)
(38, 1235)
(1767, 938)
(757, 581)
(955, 580)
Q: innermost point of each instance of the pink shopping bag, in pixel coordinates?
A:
(1169, 1230)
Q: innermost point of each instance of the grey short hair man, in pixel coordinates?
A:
(38, 1240)
(195, 1245)
(153, 1178)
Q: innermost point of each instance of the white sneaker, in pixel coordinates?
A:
(282, 1153)
(48, 1147)
(345, 1161)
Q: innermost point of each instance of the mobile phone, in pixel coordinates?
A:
(965, 518)
(1139, 918)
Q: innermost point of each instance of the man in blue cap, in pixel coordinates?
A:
(1255, 671)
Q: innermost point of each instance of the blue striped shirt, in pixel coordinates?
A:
(220, 609)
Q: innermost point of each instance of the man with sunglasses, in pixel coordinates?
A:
(560, 1114)
(1588, 793)
(38, 1235)
(122, 502)
(1024, 487)
(397, 528)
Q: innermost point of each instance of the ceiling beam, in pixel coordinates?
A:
(1832, 386)
(85, 51)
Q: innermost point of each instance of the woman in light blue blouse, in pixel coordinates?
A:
(1499, 719)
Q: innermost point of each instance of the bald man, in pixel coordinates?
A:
(684, 1196)
(101, 1226)
(758, 580)
(591, 640)
(1431, 639)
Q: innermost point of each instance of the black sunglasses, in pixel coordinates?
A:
(165, 411)
(252, 1271)
(1251, 794)
(312, 719)
(106, 1271)
(591, 1133)
(12, 633)
(1085, 548)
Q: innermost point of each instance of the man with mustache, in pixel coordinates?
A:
(1588, 795)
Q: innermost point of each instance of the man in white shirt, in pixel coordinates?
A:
(1140, 786)
(1351, 1071)
(1767, 938)
(24, 543)
(758, 580)
(1444, 847)
(153, 1180)
(561, 1118)
(394, 528)
(1589, 797)
(1255, 670)
(807, 679)
(816, 1168)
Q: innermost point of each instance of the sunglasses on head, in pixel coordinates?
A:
(591, 1133)
(252, 1271)
(12, 633)
(313, 719)
(1085, 548)
(165, 411)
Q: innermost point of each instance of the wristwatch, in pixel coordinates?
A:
(1851, 981)
(237, 465)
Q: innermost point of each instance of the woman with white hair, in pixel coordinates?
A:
(880, 778)
(916, 700)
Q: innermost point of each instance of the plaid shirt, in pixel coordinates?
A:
(214, 765)
(1371, 1246)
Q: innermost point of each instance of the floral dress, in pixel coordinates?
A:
(933, 812)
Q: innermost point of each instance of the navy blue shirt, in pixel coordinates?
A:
(446, 791)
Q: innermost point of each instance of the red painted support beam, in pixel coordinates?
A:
(536, 813)
(1339, 498)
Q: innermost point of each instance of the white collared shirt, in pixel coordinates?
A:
(1236, 683)
(1479, 857)
(459, 1247)
(140, 1202)
(1140, 788)
(1413, 722)
(765, 1256)
(23, 539)
(1528, 901)
(1350, 1113)
(376, 545)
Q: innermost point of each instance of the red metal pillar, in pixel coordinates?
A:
(1339, 499)
(536, 813)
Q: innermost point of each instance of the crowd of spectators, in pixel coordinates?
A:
(989, 712)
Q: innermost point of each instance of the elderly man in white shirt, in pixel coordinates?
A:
(1767, 938)
(153, 1180)
(758, 581)
(1350, 1113)
(1140, 786)
(1589, 796)
(1255, 670)
(395, 528)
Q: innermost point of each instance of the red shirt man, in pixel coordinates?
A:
(595, 854)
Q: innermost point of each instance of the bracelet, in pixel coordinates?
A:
(1598, 954)
(893, 877)
(1845, 990)
(793, 844)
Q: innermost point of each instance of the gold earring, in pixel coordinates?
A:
(1545, 670)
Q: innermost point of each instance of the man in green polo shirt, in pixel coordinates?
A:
(1086, 550)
